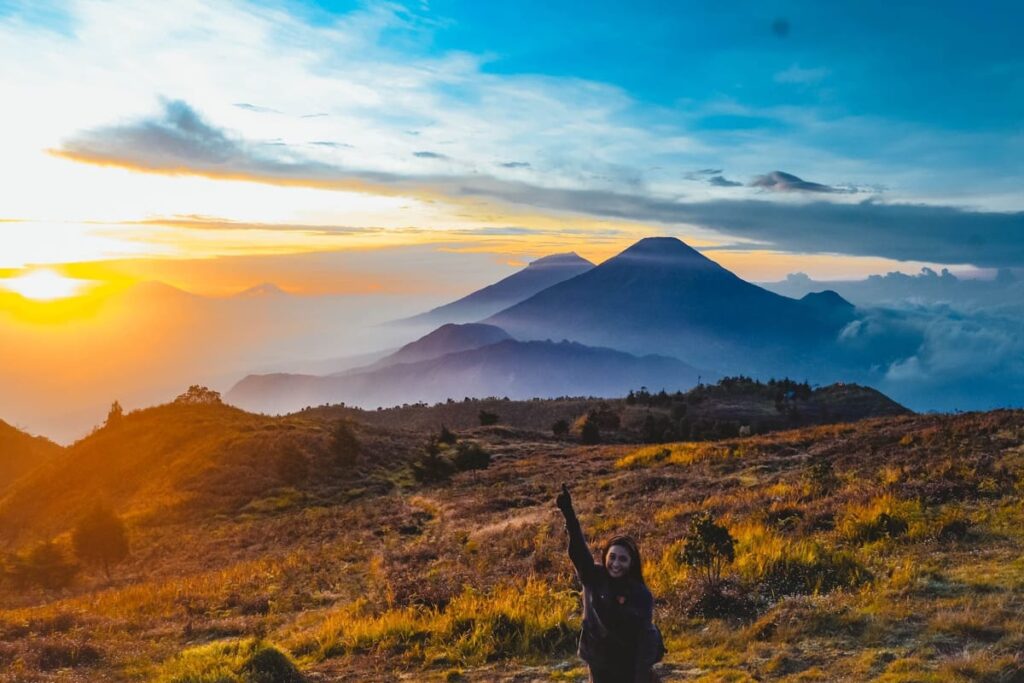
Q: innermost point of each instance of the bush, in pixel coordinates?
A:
(560, 428)
(344, 444)
(46, 566)
(242, 661)
(100, 538)
(447, 436)
(199, 395)
(470, 455)
(487, 418)
(723, 599)
(590, 432)
(708, 548)
(432, 466)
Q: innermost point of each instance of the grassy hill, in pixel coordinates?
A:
(21, 452)
(726, 406)
(887, 549)
(184, 463)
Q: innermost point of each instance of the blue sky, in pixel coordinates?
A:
(886, 131)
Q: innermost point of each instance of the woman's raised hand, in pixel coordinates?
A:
(564, 500)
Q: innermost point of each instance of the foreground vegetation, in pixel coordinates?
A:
(885, 549)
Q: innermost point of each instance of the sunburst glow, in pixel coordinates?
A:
(44, 285)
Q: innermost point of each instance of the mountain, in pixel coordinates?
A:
(537, 276)
(661, 296)
(510, 368)
(261, 291)
(449, 338)
(21, 453)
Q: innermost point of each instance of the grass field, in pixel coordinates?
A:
(887, 549)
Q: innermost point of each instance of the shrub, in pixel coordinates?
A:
(239, 661)
(820, 479)
(199, 395)
(560, 428)
(344, 444)
(713, 601)
(45, 566)
(100, 538)
(470, 455)
(432, 466)
(708, 548)
(447, 436)
(590, 432)
(487, 418)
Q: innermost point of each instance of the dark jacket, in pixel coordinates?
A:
(618, 634)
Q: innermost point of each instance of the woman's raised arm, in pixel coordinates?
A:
(579, 553)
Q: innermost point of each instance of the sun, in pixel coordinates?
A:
(44, 285)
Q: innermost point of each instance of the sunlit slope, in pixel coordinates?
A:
(20, 453)
(182, 462)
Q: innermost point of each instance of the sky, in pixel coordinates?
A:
(356, 148)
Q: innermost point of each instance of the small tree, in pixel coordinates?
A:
(344, 444)
(488, 418)
(560, 428)
(100, 538)
(590, 432)
(115, 415)
(196, 394)
(708, 548)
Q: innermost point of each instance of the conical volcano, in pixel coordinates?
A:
(662, 296)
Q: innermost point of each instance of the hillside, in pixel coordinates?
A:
(21, 452)
(182, 463)
(883, 549)
(732, 403)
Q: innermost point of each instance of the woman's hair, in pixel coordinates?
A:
(636, 571)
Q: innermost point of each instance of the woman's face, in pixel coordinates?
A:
(618, 561)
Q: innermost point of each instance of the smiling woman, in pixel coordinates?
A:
(44, 285)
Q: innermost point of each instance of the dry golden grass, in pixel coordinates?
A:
(901, 562)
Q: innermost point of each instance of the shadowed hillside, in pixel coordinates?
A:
(21, 452)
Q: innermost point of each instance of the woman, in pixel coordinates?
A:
(619, 642)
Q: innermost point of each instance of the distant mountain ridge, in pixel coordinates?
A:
(449, 338)
(662, 296)
(537, 276)
(510, 368)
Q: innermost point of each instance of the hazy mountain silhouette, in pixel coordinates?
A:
(261, 291)
(508, 368)
(449, 338)
(539, 275)
(661, 296)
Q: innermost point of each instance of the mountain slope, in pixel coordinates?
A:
(179, 462)
(449, 338)
(539, 275)
(661, 296)
(20, 453)
(507, 368)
